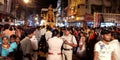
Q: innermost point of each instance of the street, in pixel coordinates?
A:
(42, 56)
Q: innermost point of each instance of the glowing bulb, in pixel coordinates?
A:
(26, 1)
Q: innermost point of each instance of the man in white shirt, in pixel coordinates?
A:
(34, 43)
(43, 31)
(55, 44)
(69, 43)
(103, 50)
(38, 33)
(116, 45)
(42, 43)
(48, 34)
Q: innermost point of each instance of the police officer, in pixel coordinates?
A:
(69, 43)
(54, 44)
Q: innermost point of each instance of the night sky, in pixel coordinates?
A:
(39, 4)
(46, 3)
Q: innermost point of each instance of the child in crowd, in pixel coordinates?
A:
(5, 47)
(13, 44)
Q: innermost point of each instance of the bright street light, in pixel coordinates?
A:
(26, 1)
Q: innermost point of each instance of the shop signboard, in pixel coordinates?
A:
(89, 17)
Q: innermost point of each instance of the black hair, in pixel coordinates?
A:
(68, 29)
(20, 28)
(4, 37)
(17, 37)
(33, 29)
(105, 32)
(38, 27)
(30, 31)
(63, 28)
(48, 28)
(13, 36)
(55, 32)
(6, 26)
(12, 27)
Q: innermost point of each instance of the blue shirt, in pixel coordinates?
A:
(0, 41)
(13, 46)
(4, 52)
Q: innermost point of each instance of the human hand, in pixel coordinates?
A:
(66, 42)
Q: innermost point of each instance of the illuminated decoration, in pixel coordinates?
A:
(26, 1)
(50, 14)
(96, 21)
(108, 24)
(19, 22)
(72, 17)
(36, 20)
(43, 22)
(77, 18)
(30, 21)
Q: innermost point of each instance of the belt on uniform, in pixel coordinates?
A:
(49, 53)
(67, 49)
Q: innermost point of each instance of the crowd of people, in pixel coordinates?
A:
(59, 43)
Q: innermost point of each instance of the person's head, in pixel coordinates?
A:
(48, 28)
(12, 38)
(17, 40)
(114, 35)
(82, 34)
(6, 26)
(92, 30)
(5, 40)
(33, 30)
(12, 28)
(38, 27)
(30, 33)
(106, 35)
(55, 33)
(67, 31)
(63, 30)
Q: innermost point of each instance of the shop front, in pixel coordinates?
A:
(106, 19)
(89, 20)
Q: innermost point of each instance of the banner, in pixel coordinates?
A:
(96, 19)
(9, 2)
(1, 6)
